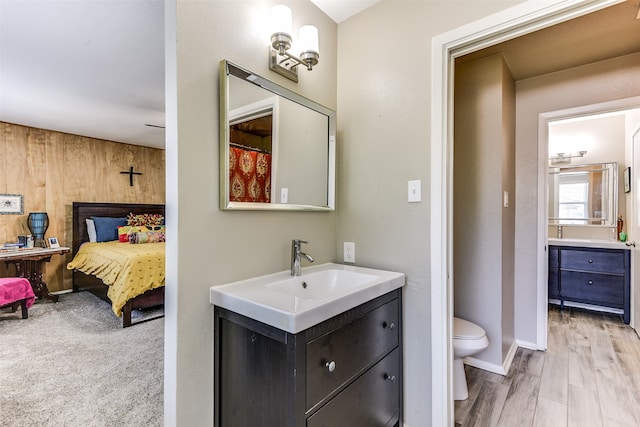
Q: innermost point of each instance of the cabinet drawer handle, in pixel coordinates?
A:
(391, 378)
(388, 325)
(589, 282)
(331, 366)
(590, 261)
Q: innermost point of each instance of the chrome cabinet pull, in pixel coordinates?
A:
(391, 378)
(590, 282)
(590, 261)
(331, 366)
(388, 325)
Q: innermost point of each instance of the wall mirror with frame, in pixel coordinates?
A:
(584, 195)
(277, 148)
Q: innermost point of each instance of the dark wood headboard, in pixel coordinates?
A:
(84, 210)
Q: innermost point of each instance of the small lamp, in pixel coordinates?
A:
(38, 222)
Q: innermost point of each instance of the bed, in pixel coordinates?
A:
(146, 295)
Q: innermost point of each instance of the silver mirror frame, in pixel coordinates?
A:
(612, 199)
(226, 69)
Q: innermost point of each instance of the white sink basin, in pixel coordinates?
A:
(294, 304)
(323, 284)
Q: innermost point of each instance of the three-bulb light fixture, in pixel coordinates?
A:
(280, 59)
(565, 157)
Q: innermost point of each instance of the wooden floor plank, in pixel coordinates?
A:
(583, 408)
(550, 413)
(589, 376)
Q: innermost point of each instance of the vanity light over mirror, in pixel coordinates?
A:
(584, 195)
(277, 148)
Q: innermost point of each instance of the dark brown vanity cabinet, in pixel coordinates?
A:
(345, 371)
(597, 277)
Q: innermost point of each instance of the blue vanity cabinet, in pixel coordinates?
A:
(343, 372)
(554, 273)
(598, 277)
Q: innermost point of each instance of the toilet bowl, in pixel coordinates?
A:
(468, 339)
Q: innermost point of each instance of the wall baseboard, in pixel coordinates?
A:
(492, 367)
(528, 345)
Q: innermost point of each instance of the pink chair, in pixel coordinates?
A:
(14, 292)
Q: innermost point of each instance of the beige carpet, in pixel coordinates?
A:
(71, 364)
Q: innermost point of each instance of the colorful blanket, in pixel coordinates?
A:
(129, 270)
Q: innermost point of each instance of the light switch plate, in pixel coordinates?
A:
(415, 191)
(505, 199)
(284, 195)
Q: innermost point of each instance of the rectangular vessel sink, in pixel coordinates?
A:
(296, 303)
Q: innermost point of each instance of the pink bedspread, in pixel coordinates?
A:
(14, 289)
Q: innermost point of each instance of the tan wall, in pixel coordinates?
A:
(51, 170)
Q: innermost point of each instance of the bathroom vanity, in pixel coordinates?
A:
(345, 370)
(591, 275)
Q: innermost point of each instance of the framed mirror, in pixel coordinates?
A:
(277, 148)
(584, 195)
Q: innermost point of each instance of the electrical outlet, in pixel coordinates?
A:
(349, 252)
(284, 195)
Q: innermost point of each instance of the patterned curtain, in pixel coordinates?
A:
(249, 175)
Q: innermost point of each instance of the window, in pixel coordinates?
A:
(573, 198)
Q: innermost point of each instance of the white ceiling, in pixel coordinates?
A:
(340, 10)
(86, 67)
(96, 67)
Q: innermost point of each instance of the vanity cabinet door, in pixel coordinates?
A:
(340, 355)
(371, 401)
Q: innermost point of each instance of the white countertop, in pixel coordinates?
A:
(589, 243)
(296, 303)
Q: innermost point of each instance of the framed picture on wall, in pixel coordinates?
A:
(627, 180)
(11, 204)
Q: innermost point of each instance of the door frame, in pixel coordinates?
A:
(514, 22)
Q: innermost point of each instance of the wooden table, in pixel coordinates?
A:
(28, 264)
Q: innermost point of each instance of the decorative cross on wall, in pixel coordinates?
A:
(130, 172)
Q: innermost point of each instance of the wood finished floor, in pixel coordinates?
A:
(589, 376)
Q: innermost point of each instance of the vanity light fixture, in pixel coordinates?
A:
(280, 60)
(565, 157)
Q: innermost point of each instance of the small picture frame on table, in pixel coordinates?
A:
(11, 204)
(53, 242)
(627, 180)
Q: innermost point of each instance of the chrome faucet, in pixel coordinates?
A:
(296, 253)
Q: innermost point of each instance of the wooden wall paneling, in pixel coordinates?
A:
(55, 169)
(55, 270)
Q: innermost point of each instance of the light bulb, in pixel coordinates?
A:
(308, 39)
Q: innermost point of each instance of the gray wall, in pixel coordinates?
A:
(382, 90)
(483, 230)
(384, 72)
(599, 82)
(213, 246)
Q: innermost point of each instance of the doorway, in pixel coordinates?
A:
(605, 132)
(517, 21)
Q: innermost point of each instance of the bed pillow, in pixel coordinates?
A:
(107, 227)
(124, 232)
(91, 230)
(146, 237)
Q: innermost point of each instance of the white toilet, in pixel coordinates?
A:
(468, 339)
